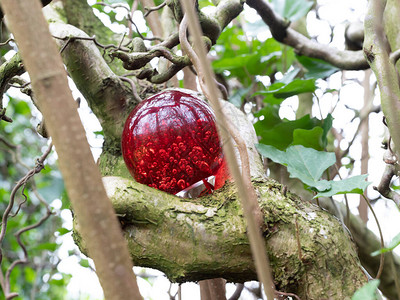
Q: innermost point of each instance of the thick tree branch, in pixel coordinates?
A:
(346, 60)
(206, 238)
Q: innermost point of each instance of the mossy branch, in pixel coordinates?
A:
(105, 92)
(206, 238)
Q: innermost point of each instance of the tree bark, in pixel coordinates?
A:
(82, 178)
(204, 238)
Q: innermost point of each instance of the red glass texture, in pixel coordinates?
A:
(170, 142)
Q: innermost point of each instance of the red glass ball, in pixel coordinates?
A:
(170, 142)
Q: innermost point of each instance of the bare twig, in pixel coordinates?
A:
(130, 19)
(5, 280)
(4, 117)
(282, 294)
(238, 292)
(155, 8)
(70, 39)
(133, 86)
(6, 42)
(38, 167)
(384, 186)
(382, 257)
(24, 260)
(132, 10)
(7, 143)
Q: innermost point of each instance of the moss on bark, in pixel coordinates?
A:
(190, 240)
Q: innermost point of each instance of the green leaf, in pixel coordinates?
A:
(368, 291)
(292, 9)
(270, 114)
(47, 246)
(326, 125)
(290, 76)
(22, 108)
(297, 86)
(30, 274)
(84, 263)
(229, 63)
(393, 244)
(63, 231)
(303, 163)
(317, 68)
(309, 138)
(352, 185)
(280, 133)
(100, 132)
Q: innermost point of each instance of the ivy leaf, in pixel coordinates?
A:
(352, 185)
(279, 91)
(317, 68)
(303, 163)
(367, 292)
(279, 133)
(393, 244)
(311, 138)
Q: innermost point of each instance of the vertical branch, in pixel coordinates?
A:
(377, 55)
(364, 128)
(98, 223)
(246, 192)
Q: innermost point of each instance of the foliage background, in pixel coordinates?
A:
(239, 51)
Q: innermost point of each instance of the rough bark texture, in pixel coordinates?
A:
(206, 238)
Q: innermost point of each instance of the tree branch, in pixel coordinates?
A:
(280, 30)
(376, 53)
(105, 92)
(206, 238)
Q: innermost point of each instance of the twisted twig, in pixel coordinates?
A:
(155, 8)
(5, 280)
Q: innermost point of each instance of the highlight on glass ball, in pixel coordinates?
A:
(170, 142)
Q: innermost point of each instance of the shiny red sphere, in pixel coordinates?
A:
(170, 142)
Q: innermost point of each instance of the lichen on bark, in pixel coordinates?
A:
(191, 240)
